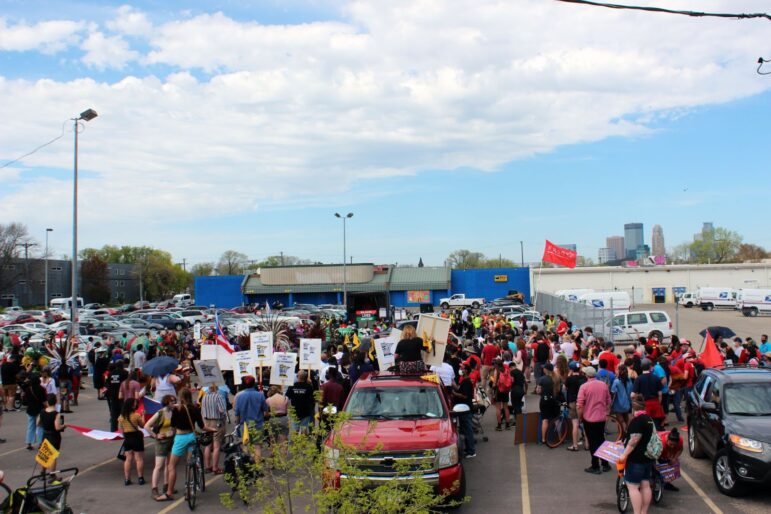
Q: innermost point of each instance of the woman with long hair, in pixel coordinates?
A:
(130, 422)
(409, 352)
(621, 394)
(561, 368)
(160, 427)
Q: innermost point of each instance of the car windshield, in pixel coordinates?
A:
(748, 399)
(395, 403)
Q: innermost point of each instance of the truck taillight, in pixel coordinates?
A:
(670, 324)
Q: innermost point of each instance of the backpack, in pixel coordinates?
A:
(654, 448)
(542, 353)
(504, 381)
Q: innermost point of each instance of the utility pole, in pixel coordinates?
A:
(522, 252)
(184, 264)
(282, 257)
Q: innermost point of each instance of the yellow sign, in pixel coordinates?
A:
(501, 278)
(47, 454)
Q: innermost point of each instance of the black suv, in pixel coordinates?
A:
(729, 419)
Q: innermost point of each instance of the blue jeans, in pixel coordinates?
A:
(468, 433)
(34, 432)
(302, 424)
(678, 400)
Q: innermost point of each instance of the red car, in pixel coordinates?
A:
(412, 420)
(18, 320)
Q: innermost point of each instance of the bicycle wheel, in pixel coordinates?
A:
(200, 470)
(622, 495)
(613, 430)
(658, 488)
(556, 432)
(191, 477)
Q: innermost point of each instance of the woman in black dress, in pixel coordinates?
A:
(53, 426)
(409, 352)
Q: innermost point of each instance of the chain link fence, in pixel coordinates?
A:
(580, 314)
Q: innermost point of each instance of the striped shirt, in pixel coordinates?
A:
(213, 406)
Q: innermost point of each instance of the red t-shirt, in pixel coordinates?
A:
(562, 328)
(489, 352)
(476, 359)
(611, 359)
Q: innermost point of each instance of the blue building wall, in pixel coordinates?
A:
(222, 291)
(399, 298)
(481, 282)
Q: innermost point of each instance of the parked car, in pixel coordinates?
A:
(17, 319)
(729, 420)
(533, 318)
(142, 324)
(687, 300)
(193, 316)
(306, 307)
(392, 418)
(166, 320)
(630, 326)
(44, 316)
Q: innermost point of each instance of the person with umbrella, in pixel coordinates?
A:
(163, 381)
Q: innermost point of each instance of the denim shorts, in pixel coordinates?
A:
(636, 472)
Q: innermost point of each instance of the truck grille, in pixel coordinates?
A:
(392, 464)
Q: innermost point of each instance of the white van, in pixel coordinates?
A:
(572, 295)
(181, 298)
(630, 326)
(65, 304)
(687, 300)
(709, 298)
(615, 300)
(754, 301)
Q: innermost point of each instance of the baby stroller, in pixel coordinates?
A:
(481, 403)
(239, 464)
(44, 494)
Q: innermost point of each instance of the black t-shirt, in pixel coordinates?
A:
(467, 390)
(409, 349)
(573, 383)
(35, 396)
(643, 425)
(114, 380)
(518, 378)
(648, 385)
(301, 397)
(8, 372)
(547, 387)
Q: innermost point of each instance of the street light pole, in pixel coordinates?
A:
(345, 275)
(522, 252)
(87, 115)
(46, 264)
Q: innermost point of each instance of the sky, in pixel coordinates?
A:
(441, 125)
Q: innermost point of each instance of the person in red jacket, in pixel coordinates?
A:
(609, 357)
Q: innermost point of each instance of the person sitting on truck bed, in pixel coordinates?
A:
(409, 352)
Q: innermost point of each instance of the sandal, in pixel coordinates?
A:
(164, 498)
(154, 492)
(218, 471)
(572, 448)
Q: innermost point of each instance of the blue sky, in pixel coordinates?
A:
(243, 125)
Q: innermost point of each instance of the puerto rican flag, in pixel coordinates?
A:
(222, 340)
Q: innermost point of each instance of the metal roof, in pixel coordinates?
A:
(408, 279)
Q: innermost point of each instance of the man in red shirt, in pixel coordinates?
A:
(609, 357)
(489, 353)
(562, 327)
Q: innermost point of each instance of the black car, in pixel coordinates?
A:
(165, 320)
(729, 420)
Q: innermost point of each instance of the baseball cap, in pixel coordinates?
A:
(589, 371)
(548, 366)
(576, 366)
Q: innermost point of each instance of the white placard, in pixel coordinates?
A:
(282, 369)
(218, 353)
(438, 329)
(208, 372)
(241, 329)
(261, 348)
(197, 331)
(242, 365)
(385, 348)
(310, 353)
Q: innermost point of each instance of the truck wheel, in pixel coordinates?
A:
(475, 305)
(707, 307)
(724, 476)
(445, 305)
(689, 305)
(753, 312)
(659, 336)
(179, 326)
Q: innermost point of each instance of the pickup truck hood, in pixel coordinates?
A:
(758, 428)
(397, 434)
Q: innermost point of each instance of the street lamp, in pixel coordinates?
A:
(87, 115)
(46, 277)
(345, 276)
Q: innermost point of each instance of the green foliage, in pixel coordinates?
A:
(722, 245)
(466, 259)
(297, 476)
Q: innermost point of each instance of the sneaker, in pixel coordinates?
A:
(141, 481)
(605, 468)
(507, 427)
(29, 447)
(127, 482)
(498, 428)
(593, 471)
(471, 455)
(2, 440)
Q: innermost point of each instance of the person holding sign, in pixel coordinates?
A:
(250, 411)
(408, 354)
(53, 426)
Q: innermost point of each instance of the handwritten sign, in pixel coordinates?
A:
(310, 353)
(385, 348)
(208, 372)
(197, 331)
(47, 454)
(242, 365)
(282, 370)
(438, 329)
(610, 452)
(261, 348)
(218, 353)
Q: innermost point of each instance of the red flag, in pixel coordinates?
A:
(710, 355)
(558, 255)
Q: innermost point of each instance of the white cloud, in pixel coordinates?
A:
(272, 115)
(107, 51)
(48, 36)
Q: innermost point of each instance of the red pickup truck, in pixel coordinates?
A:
(412, 421)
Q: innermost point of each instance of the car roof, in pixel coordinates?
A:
(391, 379)
(741, 374)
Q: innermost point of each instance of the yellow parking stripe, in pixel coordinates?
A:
(523, 480)
(701, 493)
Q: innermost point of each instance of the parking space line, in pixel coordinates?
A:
(13, 451)
(181, 499)
(700, 492)
(111, 459)
(523, 480)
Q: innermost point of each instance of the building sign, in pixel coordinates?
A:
(501, 278)
(370, 315)
(418, 296)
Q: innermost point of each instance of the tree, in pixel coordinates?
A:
(11, 236)
(719, 246)
(465, 259)
(680, 254)
(202, 269)
(94, 276)
(582, 261)
(751, 253)
(232, 263)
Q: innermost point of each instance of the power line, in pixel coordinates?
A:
(695, 14)
(36, 149)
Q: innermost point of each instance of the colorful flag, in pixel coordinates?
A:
(356, 342)
(102, 435)
(427, 344)
(710, 355)
(221, 339)
(151, 406)
(558, 255)
(267, 307)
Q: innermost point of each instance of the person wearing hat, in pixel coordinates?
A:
(638, 468)
(593, 406)
(573, 383)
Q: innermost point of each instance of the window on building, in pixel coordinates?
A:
(121, 272)
(22, 282)
(56, 268)
(7, 297)
(56, 295)
(8, 267)
(121, 283)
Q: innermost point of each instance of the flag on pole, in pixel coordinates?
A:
(267, 307)
(372, 354)
(356, 342)
(710, 355)
(558, 255)
(221, 339)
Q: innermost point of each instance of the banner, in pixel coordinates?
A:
(261, 348)
(385, 348)
(282, 369)
(437, 329)
(242, 366)
(418, 296)
(208, 372)
(241, 329)
(558, 255)
(310, 353)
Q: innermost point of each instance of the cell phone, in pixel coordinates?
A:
(61, 419)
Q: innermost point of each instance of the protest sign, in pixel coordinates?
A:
(385, 348)
(262, 348)
(669, 472)
(242, 365)
(218, 353)
(208, 372)
(47, 454)
(310, 353)
(197, 331)
(282, 371)
(437, 329)
(241, 329)
(610, 452)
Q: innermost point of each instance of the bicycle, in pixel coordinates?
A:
(557, 430)
(622, 491)
(195, 480)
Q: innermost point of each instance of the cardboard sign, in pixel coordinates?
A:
(218, 353)
(241, 329)
(261, 348)
(47, 454)
(669, 472)
(282, 368)
(310, 354)
(208, 372)
(197, 331)
(438, 329)
(610, 452)
(385, 348)
(242, 365)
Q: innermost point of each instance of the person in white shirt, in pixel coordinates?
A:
(139, 357)
(567, 347)
(464, 315)
(445, 372)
